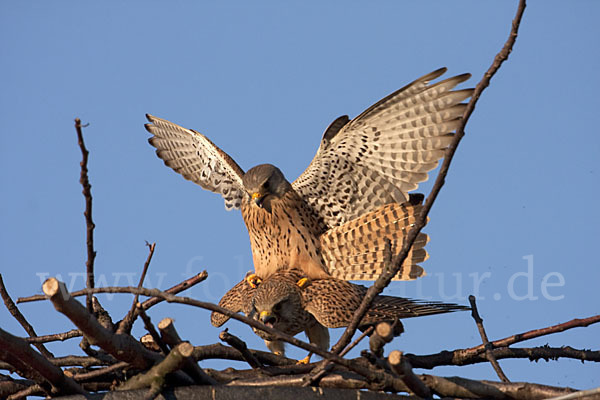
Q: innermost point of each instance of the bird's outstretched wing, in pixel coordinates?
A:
(198, 159)
(382, 154)
(237, 299)
(333, 303)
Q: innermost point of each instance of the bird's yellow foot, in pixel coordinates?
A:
(302, 282)
(305, 360)
(253, 280)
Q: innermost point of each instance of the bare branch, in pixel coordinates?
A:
(169, 335)
(240, 346)
(486, 343)
(156, 376)
(402, 367)
(151, 330)
(89, 223)
(392, 267)
(127, 322)
(21, 350)
(461, 387)
(180, 287)
(123, 347)
(14, 311)
(73, 333)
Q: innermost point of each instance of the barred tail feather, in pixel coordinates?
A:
(355, 250)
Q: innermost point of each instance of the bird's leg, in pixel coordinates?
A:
(276, 347)
(306, 359)
(253, 280)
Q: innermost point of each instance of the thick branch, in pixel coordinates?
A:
(21, 350)
(240, 346)
(392, 268)
(89, 223)
(402, 367)
(384, 378)
(170, 336)
(461, 387)
(122, 347)
(157, 375)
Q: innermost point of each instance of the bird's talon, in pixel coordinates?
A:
(304, 361)
(302, 282)
(253, 280)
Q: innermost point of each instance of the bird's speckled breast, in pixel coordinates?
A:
(286, 237)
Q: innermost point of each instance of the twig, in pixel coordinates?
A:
(21, 350)
(127, 322)
(240, 346)
(219, 351)
(326, 366)
(188, 283)
(470, 355)
(402, 367)
(486, 343)
(101, 371)
(89, 223)
(533, 354)
(392, 267)
(30, 391)
(73, 333)
(151, 330)
(14, 310)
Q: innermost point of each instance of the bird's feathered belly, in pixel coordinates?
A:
(286, 237)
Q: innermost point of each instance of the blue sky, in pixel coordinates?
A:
(518, 214)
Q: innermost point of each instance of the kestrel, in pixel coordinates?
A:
(291, 304)
(362, 171)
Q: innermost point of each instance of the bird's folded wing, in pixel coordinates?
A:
(198, 159)
(333, 303)
(237, 299)
(382, 154)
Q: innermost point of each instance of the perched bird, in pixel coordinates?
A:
(364, 168)
(290, 303)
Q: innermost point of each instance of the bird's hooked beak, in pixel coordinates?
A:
(257, 198)
(267, 318)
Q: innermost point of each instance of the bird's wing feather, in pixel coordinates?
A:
(382, 154)
(237, 299)
(197, 159)
(333, 303)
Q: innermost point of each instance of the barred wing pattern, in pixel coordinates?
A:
(199, 160)
(382, 154)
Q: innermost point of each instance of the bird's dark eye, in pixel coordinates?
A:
(265, 185)
(277, 307)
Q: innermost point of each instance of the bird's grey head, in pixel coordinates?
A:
(264, 183)
(276, 302)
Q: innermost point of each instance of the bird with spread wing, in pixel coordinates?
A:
(333, 220)
(292, 304)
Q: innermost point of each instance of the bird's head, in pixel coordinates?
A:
(265, 183)
(276, 302)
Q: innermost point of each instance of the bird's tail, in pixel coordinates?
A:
(355, 250)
